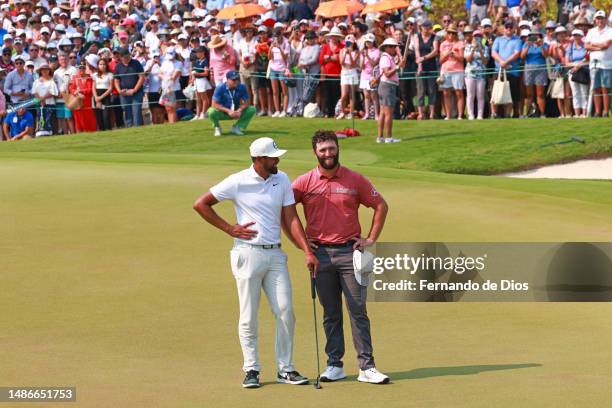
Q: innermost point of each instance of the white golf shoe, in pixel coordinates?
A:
(332, 373)
(372, 376)
(217, 131)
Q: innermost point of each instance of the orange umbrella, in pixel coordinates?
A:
(241, 11)
(338, 8)
(385, 5)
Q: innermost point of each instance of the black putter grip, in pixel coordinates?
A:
(313, 291)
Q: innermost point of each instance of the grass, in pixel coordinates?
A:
(111, 282)
(474, 147)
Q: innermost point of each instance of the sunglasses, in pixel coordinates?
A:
(72, 58)
(446, 21)
(33, 49)
(19, 62)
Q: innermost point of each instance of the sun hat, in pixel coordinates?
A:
(335, 32)
(216, 42)
(389, 42)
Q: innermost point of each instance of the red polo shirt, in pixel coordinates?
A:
(331, 205)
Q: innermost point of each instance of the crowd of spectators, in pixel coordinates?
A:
(86, 65)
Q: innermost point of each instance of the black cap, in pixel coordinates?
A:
(124, 51)
(509, 23)
(310, 35)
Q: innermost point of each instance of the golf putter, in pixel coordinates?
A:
(313, 293)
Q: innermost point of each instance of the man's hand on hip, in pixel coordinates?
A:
(242, 231)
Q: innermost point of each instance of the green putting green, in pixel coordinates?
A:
(113, 284)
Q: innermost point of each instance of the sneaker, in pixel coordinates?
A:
(392, 140)
(292, 377)
(332, 373)
(217, 131)
(349, 116)
(236, 131)
(380, 140)
(282, 114)
(251, 380)
(340, 116)
(195, 117)
(262, 113)
(276, 114)
(372, 376)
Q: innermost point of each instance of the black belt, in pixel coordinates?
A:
(343, 244)
(267, 246)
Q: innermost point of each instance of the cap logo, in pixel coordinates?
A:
(274, 145)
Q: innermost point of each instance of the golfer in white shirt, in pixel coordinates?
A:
(262, 195)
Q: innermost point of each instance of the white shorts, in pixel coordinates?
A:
(349, 77)
(202, 85)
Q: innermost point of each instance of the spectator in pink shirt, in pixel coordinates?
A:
(279, 69)
(222, 58)
(452, 72)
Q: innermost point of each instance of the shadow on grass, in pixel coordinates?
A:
(436, 136)
(429, 372)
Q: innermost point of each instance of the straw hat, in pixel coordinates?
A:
(216, 42)
(452, 28)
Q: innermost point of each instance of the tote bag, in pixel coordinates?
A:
(500, 94)
(556, 89)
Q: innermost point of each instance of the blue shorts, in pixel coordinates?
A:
(603, 78)
(62, 112)
(453, 80)
(280, 75)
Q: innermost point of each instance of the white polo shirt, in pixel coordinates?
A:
(259, 200)
(600, 36)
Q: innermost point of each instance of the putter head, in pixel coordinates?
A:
(317, 385)
(578, 139)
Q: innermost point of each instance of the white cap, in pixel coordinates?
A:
(342, 24)
(303, 21)
(262, 29)
(5, 6)
(176, 18)
(278, 24)
(170, 52)
(550, 24)
(525, 33)
(93, 26)
(202, 24)
(188, 24)
(363, 265)
(41, 44)
(153, 18)
(45, 19)
(486, 22)
(524, 23)
(75, 15)
(208, 18)
(369, 37)
(45, 30)
(55, 10)
(60, 27)
(19, 32)
(265, 147)
(231, 22)
(600, 13)
(411, 20)
(94, 17)
(21, 17)
(183, 37)
(109, 4)
(560, 29)
(92, 59)
(7, 37)
(578, 32)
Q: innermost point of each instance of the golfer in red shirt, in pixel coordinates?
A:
(331, 195)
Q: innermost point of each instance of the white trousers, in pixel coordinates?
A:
(256, 268)
(580, 95)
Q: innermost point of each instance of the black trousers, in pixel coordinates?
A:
(103, 115)
(330, 90)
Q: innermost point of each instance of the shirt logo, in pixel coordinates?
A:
(374, 192)
(274, 184)
(345, 190)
